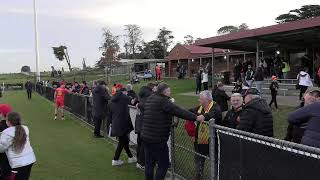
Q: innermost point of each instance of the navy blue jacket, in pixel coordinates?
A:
(310, 114)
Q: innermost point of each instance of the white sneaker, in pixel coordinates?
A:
(139, 166)
(117, 162)
(132, 160)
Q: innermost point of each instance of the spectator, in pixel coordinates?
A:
(220, 96)
(157, 120)
(198, 81)
(131, 92)
(100, 101)
(256, 116)
(144, 93)
(232, 118)
(295, 132)
(158, 72)
(209, 109)
(285, 69)
(59, 100)
(76, 88)
(14, 141)
(5, 168)
(118, 113)
(204, 80)
(309, 114)
(249, 76)
(258, 78)
(85, 89)
(237, 71)
(114, 89)
(29, 87)
(237, 87)
(274, 86)
(304, 81)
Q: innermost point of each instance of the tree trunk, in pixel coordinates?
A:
(68, 60)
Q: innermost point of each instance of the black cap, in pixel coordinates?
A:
(252, 91)
(102, 83)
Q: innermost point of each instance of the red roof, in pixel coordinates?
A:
(278, 28)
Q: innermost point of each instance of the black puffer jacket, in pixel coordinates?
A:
(258, 76)
(118, 113)
(144, 93)
(157, 118)
(256, 117)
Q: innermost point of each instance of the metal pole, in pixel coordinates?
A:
(213, 160)
(36, 40)
(212, 71)
(257, 55)
(172, 147)
(228, 62)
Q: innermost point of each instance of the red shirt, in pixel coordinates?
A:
(158, 70)
(60, 93)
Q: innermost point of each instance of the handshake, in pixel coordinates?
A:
(201, 118)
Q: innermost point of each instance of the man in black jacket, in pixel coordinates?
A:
(100, 101)
(232, 118)
(256, 116)
(157, 120)
(220, 96)
(28, 87)
(118, 113)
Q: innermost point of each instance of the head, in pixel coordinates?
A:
(129, 87)
(249, 67)
(20, 137)
(236, 100)
(251, 94)
(84, 83)
(62, 85)
(152, 86)
(164, 89)
(311, 96)
(5, 109)
(220, 85)
(205, 98)
(102, 83)
(274, 78)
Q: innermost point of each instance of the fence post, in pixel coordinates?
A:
(172, 148)
(213, 160)
(86, 107)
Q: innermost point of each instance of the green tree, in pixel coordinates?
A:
(61, 53)
(26, 69)
(306, 11)
(110, 47)
(231, 29)
(133, 34)
(188, 40)
(165, 37)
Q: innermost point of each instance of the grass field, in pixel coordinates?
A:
(66, 149)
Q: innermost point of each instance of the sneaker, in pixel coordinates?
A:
(55, 118)
(62, 118)
(117, 162)
(139, 166)
(132, 160)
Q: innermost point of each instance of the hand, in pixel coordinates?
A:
(201, 118)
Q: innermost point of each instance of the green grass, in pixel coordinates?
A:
(66, 149)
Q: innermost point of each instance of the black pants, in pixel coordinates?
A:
(5, 169)
(97, 124)
(198, 89)
(205, 86)
(22, 173)
(123, 144)
(140, 150)
(274, 100)
(29, 94)
(158, 153)
(303, 89)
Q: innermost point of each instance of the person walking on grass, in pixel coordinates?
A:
(204, 79)
(59, 100)
(274, 86)
(198, 81)
(304, 81)
(14, 141)
(118, 113)
(28, 87)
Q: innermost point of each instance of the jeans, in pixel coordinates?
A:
(259, 86)
(205, 86)
(159, 153)
(123, 144)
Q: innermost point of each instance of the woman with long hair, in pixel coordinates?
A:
(14, 141)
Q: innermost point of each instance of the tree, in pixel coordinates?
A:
(165, 37)
(306, 11)
(84, 65)
(151, 50)
(188, 40)
(231, 29)
(61, 54)
(25, 69)
(133, 33)
(110, 47)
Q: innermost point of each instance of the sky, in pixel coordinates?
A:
(78, 24)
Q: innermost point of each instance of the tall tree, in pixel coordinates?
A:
(231, 29)
(26, 69)
(188, 40)
(110, 46)
(165, 37)
(133, 33)
(61, 53)
(306, 11)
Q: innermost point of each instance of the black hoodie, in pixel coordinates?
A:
(256, 117)
(118, 113)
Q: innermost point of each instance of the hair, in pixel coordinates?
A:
(162, 87)
(236, 95)
(102, 83)
(84, 82)
(20, 136)
(315, 94)
(129, 87)
(207, 94)
(151, 85)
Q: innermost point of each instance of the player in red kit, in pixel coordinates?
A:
(59, 100)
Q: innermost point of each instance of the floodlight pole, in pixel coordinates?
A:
(36, 40)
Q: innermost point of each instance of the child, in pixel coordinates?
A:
(274, 86)
(14, 141)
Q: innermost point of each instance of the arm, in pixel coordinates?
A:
(246, 120)
(302, 115)
(214, 113)
(175, 110)
(5, 142)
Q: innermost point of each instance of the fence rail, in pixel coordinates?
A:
(231, 154)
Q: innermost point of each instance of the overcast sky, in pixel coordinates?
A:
(78, 24)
